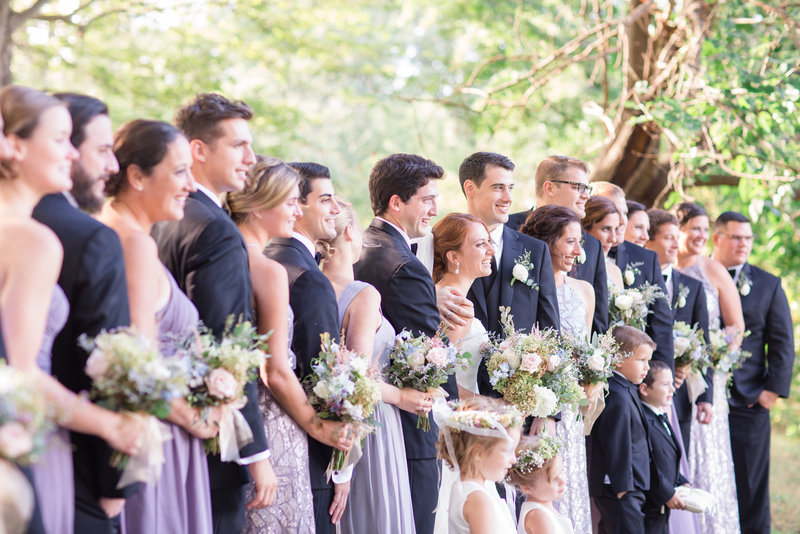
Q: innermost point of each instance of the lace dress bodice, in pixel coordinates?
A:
(571, 311)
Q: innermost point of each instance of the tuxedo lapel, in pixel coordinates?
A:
(476, 295)
(622, 256)
(675, 285)
(512, 249)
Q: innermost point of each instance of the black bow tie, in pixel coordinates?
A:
(732, 272)
(414, 248)
(666, 277)
(613, 253)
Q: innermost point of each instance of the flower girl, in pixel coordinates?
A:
(477, 438)
(538, 473)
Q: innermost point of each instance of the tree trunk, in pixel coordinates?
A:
(5, 42)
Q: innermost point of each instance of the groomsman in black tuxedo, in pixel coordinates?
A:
(206, 254)
(403, 191)
(688, 300)
(639, 265)
(764, 377)
(93, 279)
(564, 181)
(313, 302)
(487, 182)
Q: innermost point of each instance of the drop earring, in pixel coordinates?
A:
(457, 266)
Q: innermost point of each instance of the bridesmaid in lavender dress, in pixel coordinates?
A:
(380, 495)
(33, 308)
(560, 228)
(152, 184)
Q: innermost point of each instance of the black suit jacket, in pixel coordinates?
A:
(528, 306)
(313, 302)
(93, 279)
(206, 254)
(592, 270)
(694, 311)
(666, 458)
(771, 339)
(408, 298)
(619, 446)
(659, 321)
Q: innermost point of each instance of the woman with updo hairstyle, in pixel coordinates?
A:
(602, 220)
(152, 184)
(36, 159)
(462, 252)
(637, 231)
(382, 471)
(560, 228)
(267, 209)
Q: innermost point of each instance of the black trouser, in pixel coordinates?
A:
(227, 509)
(655, 523)
(322, 504)
(620, 516)
(423, 476)
(750, 441)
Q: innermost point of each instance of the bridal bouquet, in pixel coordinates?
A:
(630, 306)
(422, 363)
(343, 387)
(723, 358)
(24, 424)
(129, 375)
(532, 371)
(690, 352)
(219, 369)
(594, 362)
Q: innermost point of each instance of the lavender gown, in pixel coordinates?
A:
(52, 474)
(380, 496)
(180, 502)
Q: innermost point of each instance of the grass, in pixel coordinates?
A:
(785, 483)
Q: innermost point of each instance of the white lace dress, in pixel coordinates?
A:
(575, 504)
(710, 459)
(467, 377)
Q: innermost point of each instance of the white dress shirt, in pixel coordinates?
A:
(209, 193)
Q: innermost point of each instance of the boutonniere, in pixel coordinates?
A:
(744, 283)
(582, 256)
(631, 270)
(522, 269)
(683, 292)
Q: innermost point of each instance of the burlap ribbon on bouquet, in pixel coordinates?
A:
(234, 432)
(595, 394)
(145, 466)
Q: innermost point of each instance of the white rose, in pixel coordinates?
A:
(530, 362)
(629, 276)
(681, 302)
(437, 356)
(512, 358)
(546, 401)
(322, 390)
(97, 364)
(359, 365)
(582, 257)
(596, 362)
(555, 361)
(221, 384)
(745, 290)
(681, 344)
(417, 359)
(520, 272)
(623, 302)
(15, 440)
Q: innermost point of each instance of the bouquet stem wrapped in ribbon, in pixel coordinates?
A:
(422, 363)
(130, 375)
(219, 370)
(343, 387)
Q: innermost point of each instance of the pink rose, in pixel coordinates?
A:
(530, 362)
(437, 356)
(221, 384)
(97, 364)
(15, 440)
(417, 359)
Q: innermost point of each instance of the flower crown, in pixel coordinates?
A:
(467, 419)
(534, 458)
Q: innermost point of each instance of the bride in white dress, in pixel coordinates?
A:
(560, 228)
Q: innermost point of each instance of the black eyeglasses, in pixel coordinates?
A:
(577, 186)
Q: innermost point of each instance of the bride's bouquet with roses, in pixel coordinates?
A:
(219, 370)
(594, 362)
(630, 306)
(343, 386)
(532, 371)
(691, 355)
(129, 374)
(422, 363)
(24, 422)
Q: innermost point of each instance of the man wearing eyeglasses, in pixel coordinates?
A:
(564, 181)
(763, 377)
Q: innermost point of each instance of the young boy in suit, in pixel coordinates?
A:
(619, 447)
(656, 394)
